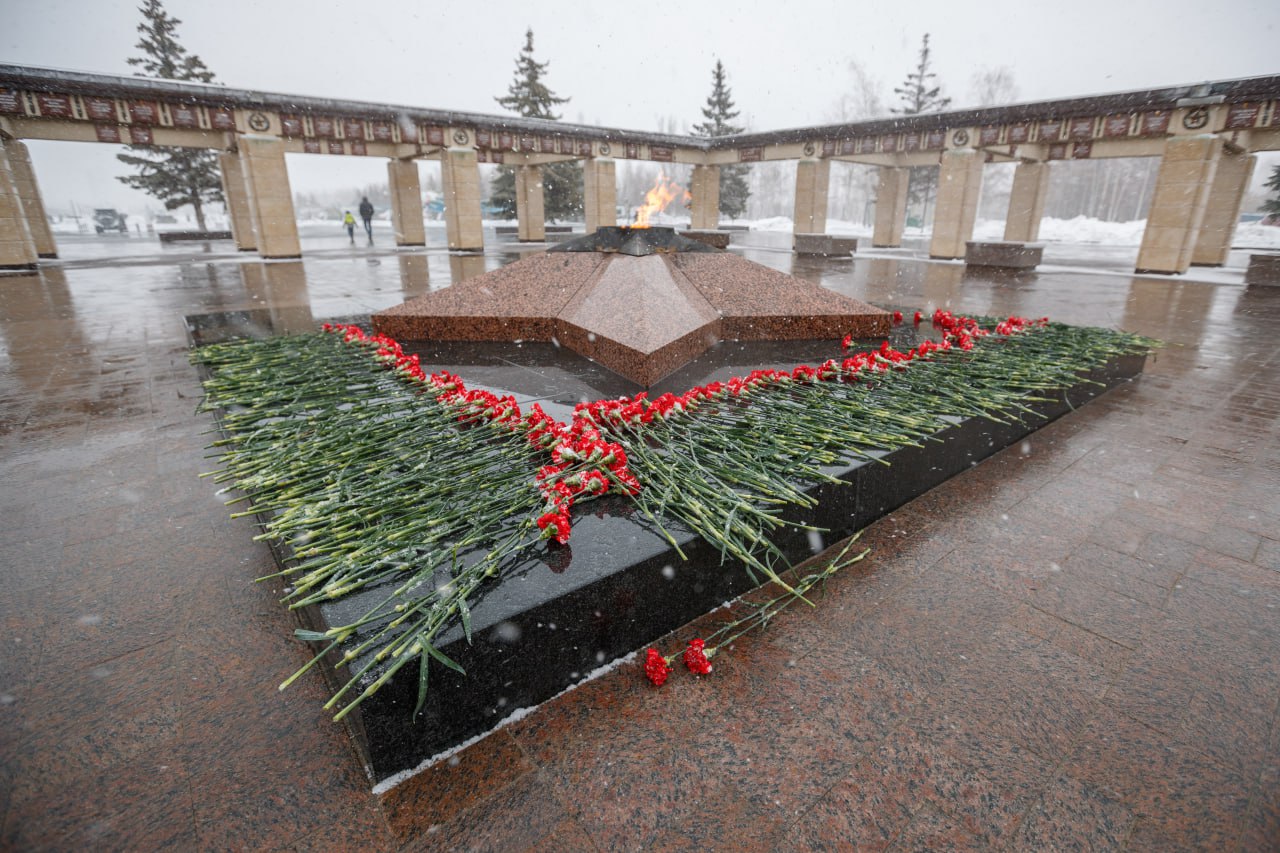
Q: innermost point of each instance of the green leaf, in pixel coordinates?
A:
(443, 658)
(424, 669)
(465, 613)
(311, 636)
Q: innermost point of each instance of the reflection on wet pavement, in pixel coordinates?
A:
(1074, 644)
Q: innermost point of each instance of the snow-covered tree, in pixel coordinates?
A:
(175, 176)
(718, 116)
(530, 97)
(920, 93)
(1272, 205)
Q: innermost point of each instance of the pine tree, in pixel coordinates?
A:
(1272, 205)
(719, 115)
(528, 96)
(920, 94)
(175, 176)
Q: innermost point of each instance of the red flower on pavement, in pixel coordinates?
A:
(897, 317)
(656, 668)
(917, 318)
(696, 659)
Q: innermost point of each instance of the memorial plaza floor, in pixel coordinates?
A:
(1074, 645)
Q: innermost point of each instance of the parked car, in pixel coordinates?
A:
(109, 219)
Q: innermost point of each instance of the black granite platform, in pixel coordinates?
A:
(618, 586)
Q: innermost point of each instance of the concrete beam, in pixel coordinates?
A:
(23, 175)
(705, 189)
(460, 175)
(266, 182)
(406, 203)
(813, 179)
(959, 185)
(600, 192)
(1222, 209)
(237, 201)
(1178, 203)
(17, 249)
(531, 217)
(891, 207)
(1026, 202)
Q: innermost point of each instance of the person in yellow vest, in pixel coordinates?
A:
(349, 223)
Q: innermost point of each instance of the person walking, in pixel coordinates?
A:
(366, 213)
(349, 223)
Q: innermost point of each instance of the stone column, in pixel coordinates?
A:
(460, 175)
(600, 192)
(531, 216)
(1178, 203)
(891, 206)
(1026, 202)
(705, 189)
(237, 201)
(406, 202)
(17, 249)
(812, 180)
(266, 182)
(959, 183)
(24, 182)
(1222, 211)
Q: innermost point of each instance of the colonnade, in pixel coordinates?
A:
(1196, 203)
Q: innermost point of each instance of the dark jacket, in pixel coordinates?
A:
(366, 210)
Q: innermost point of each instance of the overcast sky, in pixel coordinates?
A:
(787, 61)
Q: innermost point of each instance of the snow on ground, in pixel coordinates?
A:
(1080, 230)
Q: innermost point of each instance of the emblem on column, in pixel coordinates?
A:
(960, 138)
(1196, 118)
(259, 122)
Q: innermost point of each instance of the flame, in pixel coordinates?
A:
(656, 200)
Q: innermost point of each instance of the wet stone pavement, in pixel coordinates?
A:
(1075, 645)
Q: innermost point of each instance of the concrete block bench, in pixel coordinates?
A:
(824, 244)
(1263, 269)
(180, 236)
(718, 239)
(1003, 254)
(508, 230)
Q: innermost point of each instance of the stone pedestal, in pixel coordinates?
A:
(891, 207)
(600, 192)
(17, 249)
(1178, 204)
(406, 203)
(959, 185)
(1263, 269)
(1026, 202)
(1003, 255)
(460, 175)
(24, 182)
(237, 201)
(716, 239)
(1222, 209)
(823, 244)
(531, 218)
(813, 178)
(266, 181)
(704, 186)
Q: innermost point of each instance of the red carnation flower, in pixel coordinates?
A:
(656, 668)
(897, 317)
(696, 659)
